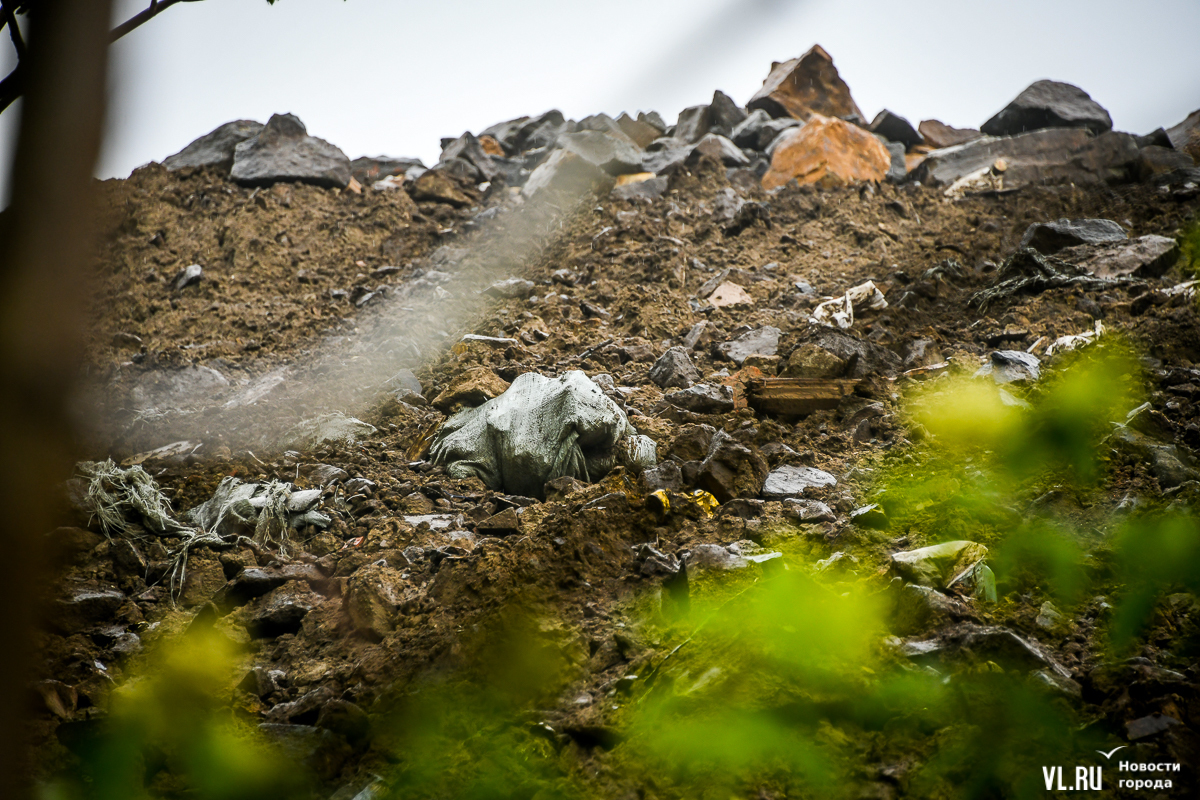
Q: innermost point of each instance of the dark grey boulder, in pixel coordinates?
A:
(567, 174)
(652, 118)
(1049, 104)
(1050, 237)
(674, 368)
(1054, 156)
(718, 147)
(724, 114)
(746, 133)
(215, 149)
(468, 149)
(693, 123)
(703, 398)
(616, 156)
(1145, 257)
(1011, 366)
(284, 151)
(896, 128)
(1181, 134)
(898, 169)
(642, 190)
(863, 358)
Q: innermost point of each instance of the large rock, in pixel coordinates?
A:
(178, 388)
(940, 564)
(215, 149)
(720, 149)
(1157, 160)
(863, 358)
(731, 469)
(758, 130)
(440, 186)
(895, 128)
(1186, 135)
(804, 86)
(1050, 237)
(703, 398)
(283, 151)
(640, 133)
(367, 170)
(333, 427)
(674, 368)
(1058, 155)
(1143, 257)
(1011, 366)
(827, 150)
(611, 154)
(762, 341)
(938, 134)
(467, 148)
(566, 174)
(526, 133)
(724, 114)
(1049, 104)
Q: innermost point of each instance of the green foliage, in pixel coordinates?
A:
(1189, 248)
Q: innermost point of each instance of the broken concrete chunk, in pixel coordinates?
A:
(788, 481)
(1050, 237)
(539, 429)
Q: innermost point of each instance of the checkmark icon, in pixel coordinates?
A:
(1109, 754)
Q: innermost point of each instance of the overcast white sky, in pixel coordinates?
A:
(390, 77)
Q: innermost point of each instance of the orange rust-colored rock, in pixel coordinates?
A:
(491, 146)
(801, 87)
(829, 151)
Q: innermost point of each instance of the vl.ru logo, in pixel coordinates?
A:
(1086, 779)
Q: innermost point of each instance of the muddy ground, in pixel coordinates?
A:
(273, 334)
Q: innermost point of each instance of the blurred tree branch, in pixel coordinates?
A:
(46, 243)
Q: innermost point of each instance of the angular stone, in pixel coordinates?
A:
(82, 608)
(187, 276)
(805, 86)
(1186, 135)
(1049, 104)
(665, 476)
(505, 523)
(712, 558)
(468, 148)
(898, 169)
(788, 481)
(1011, 366)
(654, 119)
(472, 388)
(1057, 155)
(614, 156)
(807, 511)
(810, 361)
(283, 151)
(870, 516)
(368, 171)
(692, 442)
(1156, 160)
(282, 610)
(674, 368)
(511, 288)
(895, 128)
(1144, 727)
(762, 341)
(333, 427)
(1050, 237)
(830, 151)
(566, 174)
(731, 469)
(868, 358)
(938, 134)
(724, 114)
(1144, 257)
(216, 148)
(703, 398)
(404, 381)
(693, 124)
(441, 187)
(373, 595)
(730, 294)
(650, 187)
(718, 148)
(642, 133)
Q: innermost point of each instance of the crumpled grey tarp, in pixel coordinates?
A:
(540, 429)
(264, 508)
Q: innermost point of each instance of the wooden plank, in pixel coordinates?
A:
(798, 396)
